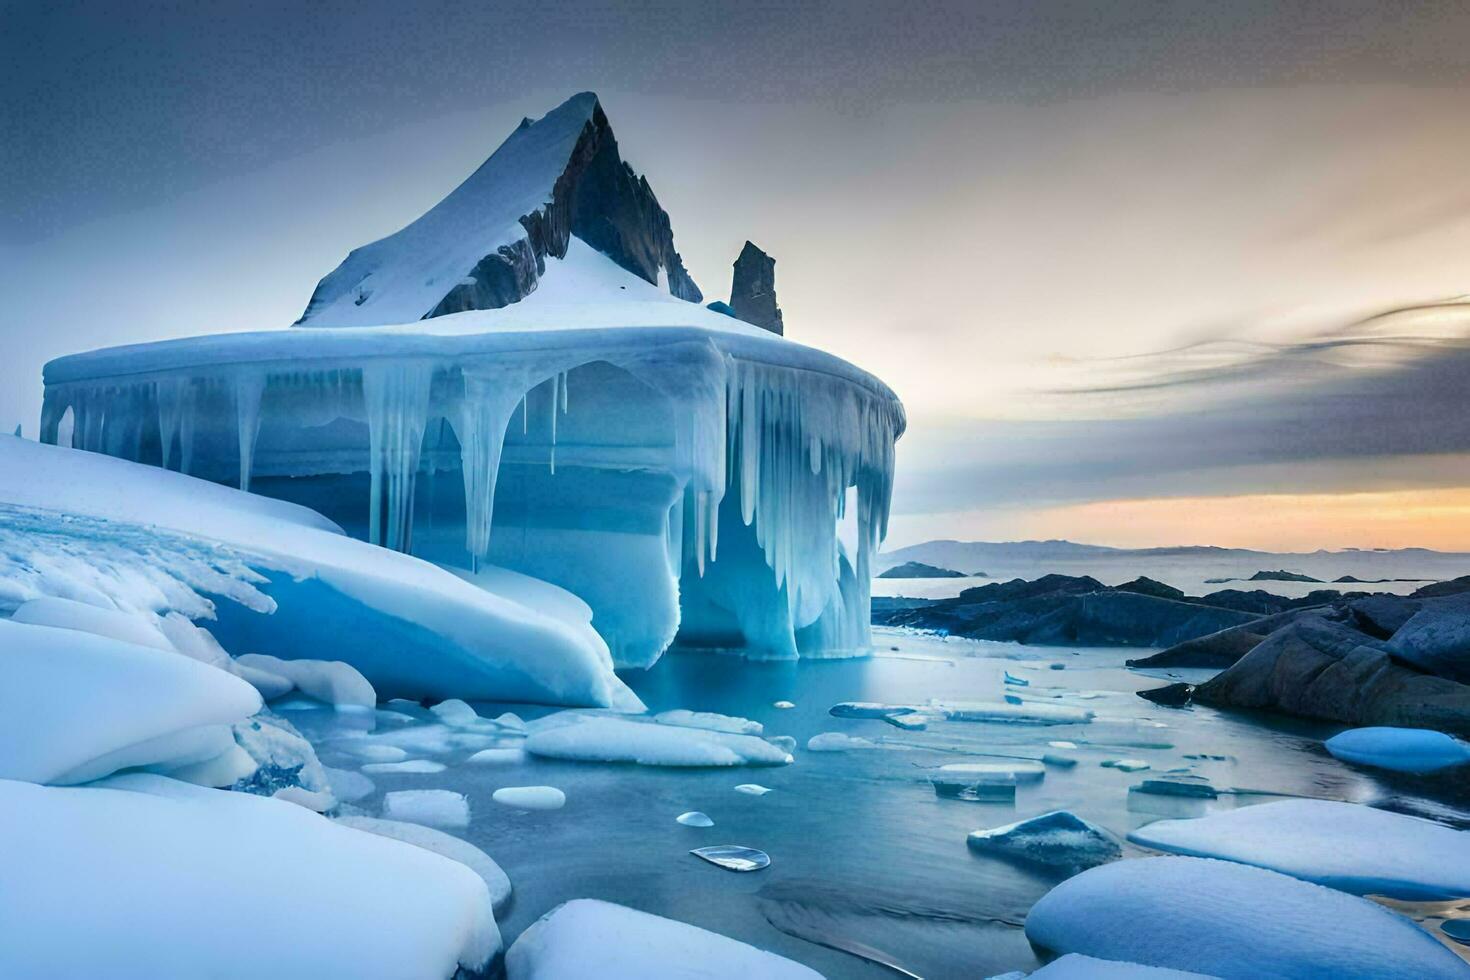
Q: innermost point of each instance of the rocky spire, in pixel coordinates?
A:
(753, 291)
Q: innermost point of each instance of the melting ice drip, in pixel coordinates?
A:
(764, 452)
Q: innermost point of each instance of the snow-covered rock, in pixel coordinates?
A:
(606, 739)
(433, 807)
(1347, 846)
(1399, 749)
(1058, 839)
(284, 761)
(1232, 921)
(146, 877)
(330, 681)
(445, 845)
(75, 706)
(588, 938)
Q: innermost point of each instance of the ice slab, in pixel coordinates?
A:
(1232, 921)
(839, 742)
(1193, 787)
(695, 818)
(608, 739)
(349, 786)
(1022, 772)
(753, 789)
(76, 706)
(1057, 839)
(530, 797)
(783, 705)
(445, 845)
(165, 879)
(1399, 749)
(1125, 765)
(1000, 712)
(709, 721)
(410, 766)
(1347, 846)
(587, 938)
(734, 857)
(433, 807)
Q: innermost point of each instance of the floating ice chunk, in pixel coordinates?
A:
(349, 786)
(868, 709)
(839, 742)
(1125, 765)
(1062, 744)
(1003, 713)
(434, 807)
(75, 706)
(1194, 787)
(1075, 966)
(734, 857)
(406, 766)
(695, 818)
(752, 789)
(530, 797)
(1013, 699)
(1024, 772)
(1058, 760)
(710, 721)
(343, 903)
(606, 739)
(1058, 839)
(372, 751)
(587, 938)
(445, 845)
(329, 681)
(996, 787)
(1399, 749)
(498, 757)
(783, 704)
(456, 713)
(71, 615)
(1347, 846)
(908, 722)
(1017, 681)
(1232, 921)
(785, 743)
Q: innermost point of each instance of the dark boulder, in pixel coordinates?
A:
(1170, 695)
(753, 290)
(1436, 638)
(1220, 649)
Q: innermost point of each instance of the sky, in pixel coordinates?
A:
(1142, 273)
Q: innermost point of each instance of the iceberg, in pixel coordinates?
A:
(589, 938)
(520, 378)
(165, 879)
(1347, 846)
(609, 739)
(1232, 921)
(1057, 839)
(1400, 749)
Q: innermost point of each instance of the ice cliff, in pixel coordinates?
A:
(520, 378)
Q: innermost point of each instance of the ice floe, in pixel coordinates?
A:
(1399, 749)
(588, 938)
(608, 739)
(839, 742)
(498, 757)
(1347, 846)
(1232, 921)
(424, 766)
(530, 797)
(734, 857)
(710, 721)
(753, 789)
(434, 807)
(695, 818)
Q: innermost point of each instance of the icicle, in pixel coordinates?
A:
(248, 391)
(172, 394)
(555, 406)
(490, 398)
(396, 396)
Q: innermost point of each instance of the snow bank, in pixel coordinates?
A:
(331, 681)
(1399, 749)
(120, 535)
(72, 615)
(1347, 846)
(75, 706)
(148, 877)
(588, 938)
(1232, 921)
(444, 845)
(605, 739)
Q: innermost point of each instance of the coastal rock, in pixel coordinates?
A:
(917, 569)
(1436, 638)
(1170, 695)
(1223, 648)
(1143, 585)
(1320, 667)
(753, 290)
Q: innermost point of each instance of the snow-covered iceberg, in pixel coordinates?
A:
(272, 578)
(143, 876)
(519, 377)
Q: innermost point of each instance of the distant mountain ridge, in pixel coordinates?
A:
(951, 553)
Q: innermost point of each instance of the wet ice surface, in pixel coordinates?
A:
(863, 851)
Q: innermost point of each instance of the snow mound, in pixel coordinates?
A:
(445, 845)
(588, 938)
(606, 739)
(434, 807)
(1399, 749)
(530, 797)
(1058, 839)
(1232, 921)
(330, 681)
(498, 757)
(202, 882)
(75, 706)
(72, 615)
(1347, 846)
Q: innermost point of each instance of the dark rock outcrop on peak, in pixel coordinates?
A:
(567, 169)
(1321, 666)
(753, 290)
(1064, 610)
(917, 569)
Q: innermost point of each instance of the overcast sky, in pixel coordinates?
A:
(1121, 261)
